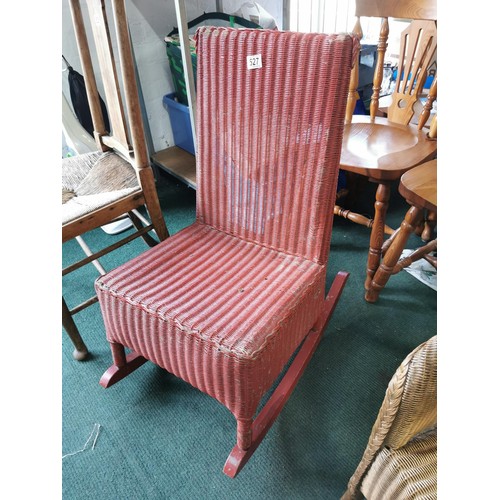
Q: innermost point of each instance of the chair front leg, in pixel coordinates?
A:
(382, 197)
(393, 254)
(81, 351)
(123, 365)
(430, 226)
(244, 433)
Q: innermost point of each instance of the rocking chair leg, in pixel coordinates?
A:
(123, 365)
(239, 456)
(244, 433)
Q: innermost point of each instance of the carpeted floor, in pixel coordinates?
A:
(159, 438)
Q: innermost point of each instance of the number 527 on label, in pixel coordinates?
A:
(254, 62)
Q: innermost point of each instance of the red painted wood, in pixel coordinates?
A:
(238, 457)
(114, 373)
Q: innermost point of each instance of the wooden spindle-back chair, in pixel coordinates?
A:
(380, 149)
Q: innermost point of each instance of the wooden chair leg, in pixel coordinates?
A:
(148, 184)
(388, 242)
(123, 365)
(138, 224)
(81, 351)
(382, 197)
(419, 253)
(358, 219)
(244, 433)
(429, 227)
(386, 268)
(239, 456)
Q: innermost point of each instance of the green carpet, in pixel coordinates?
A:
(162, 439)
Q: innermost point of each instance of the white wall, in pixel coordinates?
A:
(151, 60)
(149, 22)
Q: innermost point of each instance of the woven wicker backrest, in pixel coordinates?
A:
(269, 137)
(418, 406)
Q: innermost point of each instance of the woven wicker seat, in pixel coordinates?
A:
(224, 303)
(200, 307)
(93, 180)
(400, 460)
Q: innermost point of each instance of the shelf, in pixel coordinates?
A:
(179, 163)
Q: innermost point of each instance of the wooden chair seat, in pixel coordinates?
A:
(419, 186)
(383, 150)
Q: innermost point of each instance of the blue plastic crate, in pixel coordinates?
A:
(180, 121)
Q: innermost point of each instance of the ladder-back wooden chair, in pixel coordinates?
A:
(381, 149)
(117, 179)
(400, 458)
(225, 303)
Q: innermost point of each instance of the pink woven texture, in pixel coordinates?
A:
(269, 138)
(212, 308)
(224, 303)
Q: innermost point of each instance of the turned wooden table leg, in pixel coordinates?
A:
(391, 258)
(377, 233)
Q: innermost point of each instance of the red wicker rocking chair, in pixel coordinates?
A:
(225, 303)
